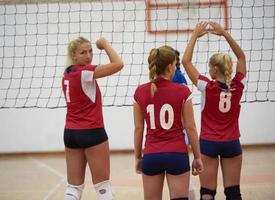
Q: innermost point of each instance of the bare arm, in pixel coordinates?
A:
(191, 130)
(115, 64)
(138, 135)
(190, 69)
(241, 62)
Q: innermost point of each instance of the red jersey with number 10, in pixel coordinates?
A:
(83, 98)
(162, 114)
(220, 108)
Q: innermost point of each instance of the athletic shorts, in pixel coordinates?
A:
(84, 138)
(171, 163)
(223, 149)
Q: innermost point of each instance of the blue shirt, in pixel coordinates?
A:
(179, 77)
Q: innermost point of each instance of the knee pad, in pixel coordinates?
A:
(73, 192)
(205, 191)
(104, 190)
(233, 193)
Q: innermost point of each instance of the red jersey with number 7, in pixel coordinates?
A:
(162, 114)
(220, 108)
(83, 98)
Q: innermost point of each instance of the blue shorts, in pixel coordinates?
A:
(223, 149)
(84, 138)
(171, 163)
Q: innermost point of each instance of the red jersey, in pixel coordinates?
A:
(83, 98)
(220, 108)
(162, 114)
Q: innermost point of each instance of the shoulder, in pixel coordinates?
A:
(141, 89)
(203, 81)
(88, 68)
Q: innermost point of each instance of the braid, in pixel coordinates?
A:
(227, 69)
(159, 59)
(224, 63)
(153, 69)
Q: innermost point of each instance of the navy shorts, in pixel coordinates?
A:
(84, 138)
(223, 149)
(171, 163)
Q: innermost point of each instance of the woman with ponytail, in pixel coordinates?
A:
(166, 107)
(220, 109)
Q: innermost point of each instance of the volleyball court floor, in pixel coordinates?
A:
(43, 176)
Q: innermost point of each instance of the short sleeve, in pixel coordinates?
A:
(202, 83)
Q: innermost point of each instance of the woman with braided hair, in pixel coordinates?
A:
(163, 104)
(220, 109)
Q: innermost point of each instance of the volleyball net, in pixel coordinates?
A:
(34, 38)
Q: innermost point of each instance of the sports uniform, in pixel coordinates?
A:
(164, 139)
(84, 119)
(220, 109)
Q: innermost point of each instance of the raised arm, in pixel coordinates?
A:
(241, 62)
(190, 69)
(115, 64)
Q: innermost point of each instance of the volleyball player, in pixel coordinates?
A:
(162, 105)
(180, 78)
(219, 138)
(85, 138)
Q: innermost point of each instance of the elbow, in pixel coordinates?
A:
(139, 130)
(185, 62)
(241, 56)
(120, 65)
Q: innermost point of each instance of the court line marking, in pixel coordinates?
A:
(54, 171)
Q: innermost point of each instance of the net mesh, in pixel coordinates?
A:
(34, 37)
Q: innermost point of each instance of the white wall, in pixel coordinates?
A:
(41, 130)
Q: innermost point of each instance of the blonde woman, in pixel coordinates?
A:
(221, 96)
(85, 138)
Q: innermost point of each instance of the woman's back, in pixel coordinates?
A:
(162, 113)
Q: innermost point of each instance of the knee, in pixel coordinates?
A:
(104, 190)
(233, 193)
(207, 194)
(73, 192)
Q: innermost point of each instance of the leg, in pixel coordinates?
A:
(208, 178)
(76, 164)
(153, 186)
(231, 171)
(178, 185)
(98, 158)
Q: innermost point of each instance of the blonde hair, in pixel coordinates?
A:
(159, 59)
(71, 49)
(224, 63)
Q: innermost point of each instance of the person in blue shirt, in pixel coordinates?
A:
(179, 76)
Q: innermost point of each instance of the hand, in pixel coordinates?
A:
(102, 43)
(216, 28)
(138, 165)
(197, 166)
(200, 29)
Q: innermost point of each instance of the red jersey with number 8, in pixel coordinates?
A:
(162, 114)
(220, 108)
(83, 98)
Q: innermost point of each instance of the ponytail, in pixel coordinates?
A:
(228, 70)
(224, 63)
(159, 59)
